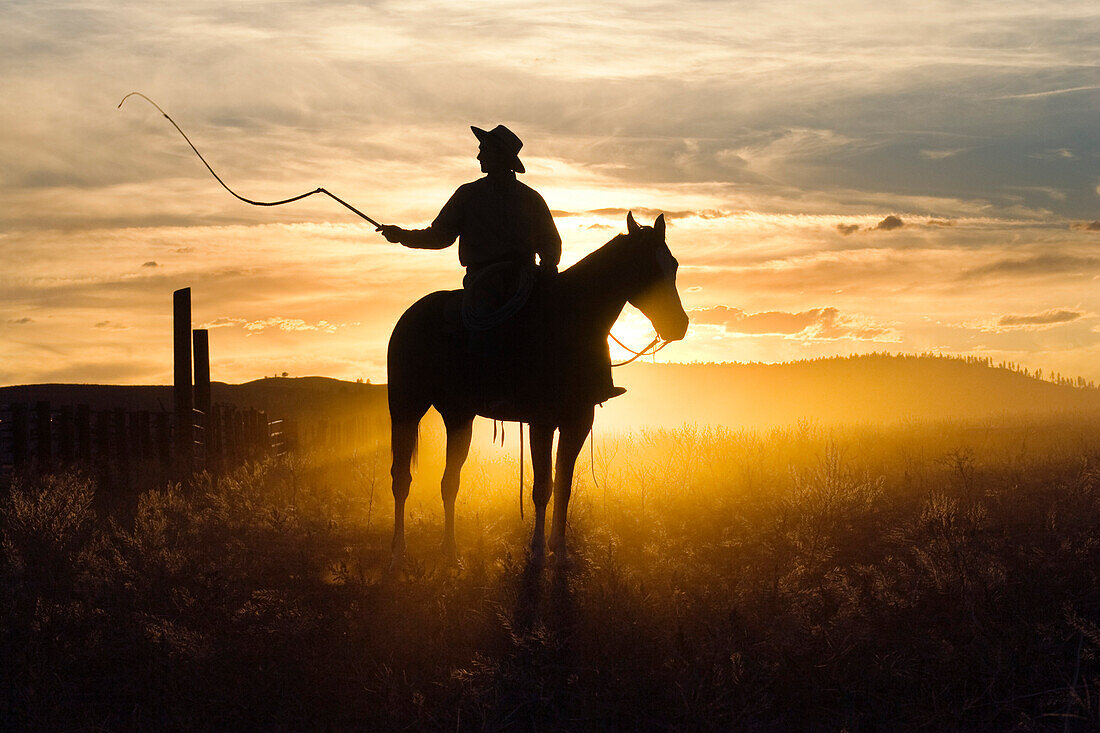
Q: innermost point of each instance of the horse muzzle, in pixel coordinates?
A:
(673, 331)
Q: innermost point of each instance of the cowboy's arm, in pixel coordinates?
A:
(428, 238)
(547, 239)
(440, 235)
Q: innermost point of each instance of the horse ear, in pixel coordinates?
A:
(659, 226)
(631, 225)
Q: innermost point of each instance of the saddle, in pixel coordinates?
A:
(522, 362)
(505, 317)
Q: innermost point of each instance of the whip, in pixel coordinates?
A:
(331, 195)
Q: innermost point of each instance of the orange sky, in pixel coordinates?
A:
(778, 140)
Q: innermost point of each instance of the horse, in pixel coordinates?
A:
(428, 365)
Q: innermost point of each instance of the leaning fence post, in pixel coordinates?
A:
(181, 332)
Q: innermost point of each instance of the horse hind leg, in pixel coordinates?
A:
(459, 434)
(542, 441)
(571, 439)
(403, 435)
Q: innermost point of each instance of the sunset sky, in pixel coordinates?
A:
(838, 177)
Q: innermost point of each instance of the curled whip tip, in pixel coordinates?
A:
(139, 94)
(335, 198)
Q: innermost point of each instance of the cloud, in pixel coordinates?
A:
(24, 319)
(276, 322)
(889, 224)
(1088, 226)
(111, 326)
(940, 154)
(1051, 317)
(816, 323)
(1045, 264)
(847, 229)
(643, 214)
(289, 324)
(223, 322)
(150, 263)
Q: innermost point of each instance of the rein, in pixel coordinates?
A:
(647, 350)
(331, 195)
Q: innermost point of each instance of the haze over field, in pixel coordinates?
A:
(838, 180)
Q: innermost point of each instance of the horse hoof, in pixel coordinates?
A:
(397, 565)
(538, 553)
(563, 560)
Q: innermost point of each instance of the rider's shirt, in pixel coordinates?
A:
(495, 219)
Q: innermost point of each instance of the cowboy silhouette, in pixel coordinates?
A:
(496, 219)
(502, 225)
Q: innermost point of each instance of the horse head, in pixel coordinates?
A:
(656, 295)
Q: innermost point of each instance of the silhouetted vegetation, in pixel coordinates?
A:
(936, 576)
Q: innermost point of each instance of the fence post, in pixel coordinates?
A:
(181, 332)
(164, 438)
(102, 437)
(65, 433)
(20, 435)
(133, 424)
(263, 434)
(122, 440)
(84, 432)
(201, 340)
(44, 434)
(216, 454)
(145, 439)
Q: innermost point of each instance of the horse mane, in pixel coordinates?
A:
(603, 257)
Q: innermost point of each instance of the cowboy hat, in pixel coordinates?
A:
(504, 139)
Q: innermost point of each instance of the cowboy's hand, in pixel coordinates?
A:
(390, 232)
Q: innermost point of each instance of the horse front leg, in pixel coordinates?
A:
(459, 433)
(571, 439)
(542, 442)
(403, 445)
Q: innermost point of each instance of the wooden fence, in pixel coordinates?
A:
(123, 445)
(45, 437)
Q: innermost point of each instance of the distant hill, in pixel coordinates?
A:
(865, 388)
(868, 388)
(280, 397)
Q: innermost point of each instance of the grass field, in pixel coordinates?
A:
(936, 576)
